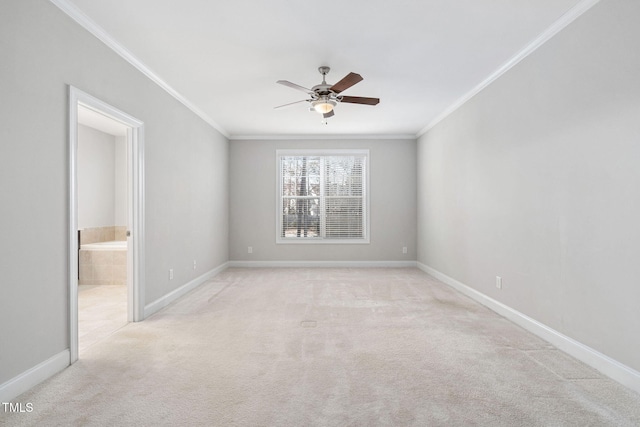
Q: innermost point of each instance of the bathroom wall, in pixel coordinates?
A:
(96, 178)
(102, 181)
(120, 189)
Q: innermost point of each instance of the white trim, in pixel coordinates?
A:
(87, 23)
(321, 152)
(73, 225)
(567, 18)
(313, 264)
(34, 376)
(136, 219)
(90, 25)
(136, 197)
(167, 299)
(319, 137)
(319, 241)
(605, 364)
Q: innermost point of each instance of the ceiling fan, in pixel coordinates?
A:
(324, 97)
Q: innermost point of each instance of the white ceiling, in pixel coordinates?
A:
(420, 57)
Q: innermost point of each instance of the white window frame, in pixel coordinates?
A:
(365, 194)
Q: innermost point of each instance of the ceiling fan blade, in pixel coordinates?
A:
(360, 100)
(295, 86)
(329, 114)
(346, 82)
(291, 103)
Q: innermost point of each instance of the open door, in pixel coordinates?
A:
(135, 209)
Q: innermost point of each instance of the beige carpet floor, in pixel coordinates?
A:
(326, 347)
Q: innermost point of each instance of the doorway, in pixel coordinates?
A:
(95, 115)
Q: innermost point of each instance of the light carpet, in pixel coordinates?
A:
(326, 347)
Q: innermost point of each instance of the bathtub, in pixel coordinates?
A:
(114, 245)
(103, 263)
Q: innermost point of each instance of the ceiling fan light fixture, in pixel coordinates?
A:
(324, 97)
(323, 106)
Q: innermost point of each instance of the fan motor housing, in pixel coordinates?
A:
(322, 89)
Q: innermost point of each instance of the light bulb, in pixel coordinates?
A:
(323, 106)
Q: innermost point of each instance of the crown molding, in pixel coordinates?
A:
(88, 24)
(567, 18)
(308, 137)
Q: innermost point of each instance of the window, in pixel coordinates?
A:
(323, 196)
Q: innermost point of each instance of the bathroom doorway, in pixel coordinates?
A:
(106, 220)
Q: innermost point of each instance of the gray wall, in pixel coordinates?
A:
(536, 179)
(253, 194)
(44, 51)
(97, 180)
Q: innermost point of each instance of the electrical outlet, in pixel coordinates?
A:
(171, 274)
(250, 249)
(498, 282)
(194, 264)
(404, 249)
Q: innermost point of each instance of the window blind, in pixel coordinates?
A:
(322, 197)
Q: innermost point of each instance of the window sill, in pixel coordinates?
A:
(315, 241)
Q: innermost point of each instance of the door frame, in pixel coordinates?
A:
(135, 210)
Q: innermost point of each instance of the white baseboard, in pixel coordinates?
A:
(34, 376)
(608, 366)
(167, 299)
(331, 264)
